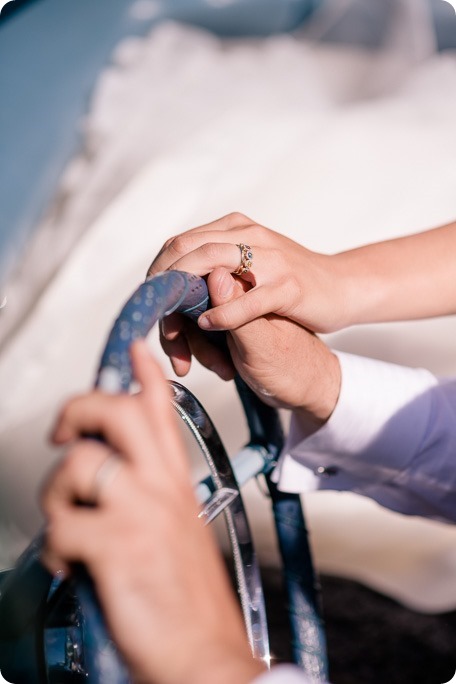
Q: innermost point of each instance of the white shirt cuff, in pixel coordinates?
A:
(283, 674)
(391, 436)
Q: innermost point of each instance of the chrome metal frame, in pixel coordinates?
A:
(227, 498)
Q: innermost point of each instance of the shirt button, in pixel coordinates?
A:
(327, 471)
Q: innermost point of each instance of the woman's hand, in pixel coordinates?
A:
(286, 279)
(264, 310)
(158, 574)
(405, 278)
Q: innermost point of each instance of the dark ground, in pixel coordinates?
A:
(371, 638)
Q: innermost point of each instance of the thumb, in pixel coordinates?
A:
(223, 288)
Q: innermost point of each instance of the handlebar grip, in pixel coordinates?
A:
(159, 296)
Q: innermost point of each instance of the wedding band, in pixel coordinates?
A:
(104, 476)
(246, 260)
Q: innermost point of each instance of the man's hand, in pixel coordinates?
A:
(157, 571)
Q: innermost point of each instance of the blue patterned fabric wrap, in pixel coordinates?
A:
(157, 297)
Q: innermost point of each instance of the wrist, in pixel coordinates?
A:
(327, 307)
(322, 394)
(347, 288)
(365, 285)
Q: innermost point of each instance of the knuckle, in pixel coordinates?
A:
(182, 244)
(237, 217)
(293, 284)
(168, 242)
(211, 250)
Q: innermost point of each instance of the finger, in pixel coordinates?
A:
(230, 221)
(203, 259)
(242, 309)
(74, 479)
(181, 339)
(172, 326)
(226, 291)
(83, 544)
(164, 441)
(187, 242)
(179, 354)
(233, 220)
(246, 336)
(174, 343)
(148, 372)
(192, 342)
(212, 255)
(119, 419)
(224, 287)
(209, 354)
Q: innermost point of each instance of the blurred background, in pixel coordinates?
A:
(123, 122)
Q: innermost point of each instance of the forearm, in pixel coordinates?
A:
(406, 278)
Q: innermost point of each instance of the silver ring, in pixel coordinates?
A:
(246, 260)
(104, 476)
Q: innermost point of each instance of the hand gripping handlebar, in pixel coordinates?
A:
(31, 603)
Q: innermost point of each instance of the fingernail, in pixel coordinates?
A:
(204, 322)
(226, 285)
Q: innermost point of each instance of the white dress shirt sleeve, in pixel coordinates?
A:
(392, 437)
(283, 674)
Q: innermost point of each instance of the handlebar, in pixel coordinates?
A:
(168, 292)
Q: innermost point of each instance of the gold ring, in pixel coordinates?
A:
(246, 260)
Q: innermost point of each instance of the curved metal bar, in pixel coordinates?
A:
(245, 560)
(307, 629)
(304, 609)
